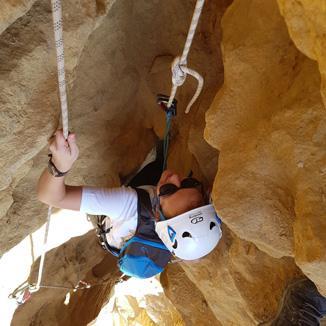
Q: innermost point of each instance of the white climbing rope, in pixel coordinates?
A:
(44, 249)
(57, 26)
(179, 66)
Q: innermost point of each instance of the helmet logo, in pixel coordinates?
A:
(196, 218)
(171, 233)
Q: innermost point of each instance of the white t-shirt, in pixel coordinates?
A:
(120, 205)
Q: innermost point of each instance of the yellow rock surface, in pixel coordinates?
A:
(305, 20)
(268, 121)
(241, 284)
(262, 112)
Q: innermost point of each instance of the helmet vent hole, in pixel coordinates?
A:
(186, 235)
(175, 245)
(212, 224)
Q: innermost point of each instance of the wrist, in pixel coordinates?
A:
(54, 170)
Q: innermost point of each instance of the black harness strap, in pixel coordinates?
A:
(145, 223)
(101, 233)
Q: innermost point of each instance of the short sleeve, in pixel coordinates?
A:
(113, 202)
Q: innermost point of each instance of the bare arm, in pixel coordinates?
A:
(53, 190)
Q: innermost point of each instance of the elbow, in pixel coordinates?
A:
(42, 198)
(47, 201)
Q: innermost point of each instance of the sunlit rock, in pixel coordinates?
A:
(268, 121)
(264, 67)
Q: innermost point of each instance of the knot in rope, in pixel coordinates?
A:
(178, 74)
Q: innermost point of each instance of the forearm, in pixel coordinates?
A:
(51, 190)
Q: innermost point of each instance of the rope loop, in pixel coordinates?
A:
(200, 86)
(178, 75)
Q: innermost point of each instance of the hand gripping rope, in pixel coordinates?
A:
(24, 292)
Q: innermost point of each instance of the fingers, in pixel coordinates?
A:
(64, 152)
(57, 142)
(73, 145)
(60, 139)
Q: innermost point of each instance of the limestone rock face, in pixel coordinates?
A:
(29, 105)
(306, 24)
(268, 121)
(263, 115)
(241, 284)
(11, 10)
(139, 302)
(187, 297)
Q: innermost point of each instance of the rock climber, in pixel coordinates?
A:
(171, 197)
(184, 220)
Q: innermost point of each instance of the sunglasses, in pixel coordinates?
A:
(169, 189)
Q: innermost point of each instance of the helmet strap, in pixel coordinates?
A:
(158, 209)
(162, 217)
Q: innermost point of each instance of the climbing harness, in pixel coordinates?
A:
(143, 255)
(179, 74)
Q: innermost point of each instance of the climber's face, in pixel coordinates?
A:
(180, 201)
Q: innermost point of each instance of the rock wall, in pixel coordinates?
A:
(262, 112)
(29, 105)
(268, 121)
(306, 25)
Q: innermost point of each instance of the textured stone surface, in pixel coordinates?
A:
(266, 124)
(139, 302)
(241, 284)
(268, 121)
(305, 20)
(29, 106)
(187, 298)
(11, 10)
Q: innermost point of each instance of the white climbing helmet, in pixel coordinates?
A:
(191, 235)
